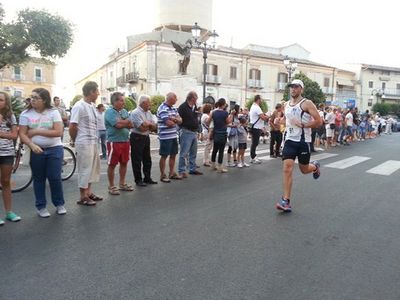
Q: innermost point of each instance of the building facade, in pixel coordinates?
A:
(19, 81)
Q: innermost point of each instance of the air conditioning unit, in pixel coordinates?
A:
(7, 88)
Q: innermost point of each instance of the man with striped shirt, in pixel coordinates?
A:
(168, 119)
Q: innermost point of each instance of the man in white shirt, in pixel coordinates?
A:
(257, 118)
(83, 132)
(349, 125)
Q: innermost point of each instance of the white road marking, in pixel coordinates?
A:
(386, 168)
(320, 156)
(348, 162)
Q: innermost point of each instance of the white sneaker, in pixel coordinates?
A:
(1, 222)
(239, 165)
(255, 160)
(230, 164)
(246, 165)
(43, 213)
(61, 210)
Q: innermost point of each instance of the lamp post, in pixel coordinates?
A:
(378, 93)
(290, 65)
(201, 43)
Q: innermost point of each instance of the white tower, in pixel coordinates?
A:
(182, 14)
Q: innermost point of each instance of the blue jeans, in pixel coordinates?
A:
(47, 165)
(102, 137)
(188, 140)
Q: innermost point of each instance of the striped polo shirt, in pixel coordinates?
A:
(164, 112)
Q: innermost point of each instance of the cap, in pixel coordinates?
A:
(297, 82)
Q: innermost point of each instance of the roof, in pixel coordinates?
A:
(376, 67)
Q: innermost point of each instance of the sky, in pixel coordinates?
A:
(335, 32)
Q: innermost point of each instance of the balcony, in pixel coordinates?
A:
(132, 77)
(391, 92)
(254, 84)
(213, 79)
(327, 90)
(281, 86)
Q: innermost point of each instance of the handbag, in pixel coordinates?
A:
(250, 126)
(332, 126)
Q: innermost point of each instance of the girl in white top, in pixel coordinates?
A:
(8, 133)
(41, 128)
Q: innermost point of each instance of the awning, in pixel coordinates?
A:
(345, 82)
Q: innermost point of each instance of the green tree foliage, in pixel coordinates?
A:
(263, 104)
(312, 90)
(382, 108)
(156, 101)
(130, 104)
(75, 99)
(395, 109)
(17, 105)
(34, 30)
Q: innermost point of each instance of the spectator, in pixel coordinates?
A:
(143, 124)
(118, 124)
(101, 130)
(257, 118)
(41, 129)
(61, 110)
(242, 141)
(276, 134)
(188, 135)
(206, 134)
(168, 119)
(233, 142)
(221, 119)
(8, 133)
(83, 132)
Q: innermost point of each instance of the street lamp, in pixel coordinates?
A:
(377, 93)
(291, 66)
(201, 43)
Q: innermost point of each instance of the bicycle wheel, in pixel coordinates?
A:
(69, 164)
(21, 176)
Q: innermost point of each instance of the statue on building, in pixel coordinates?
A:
(185, 51)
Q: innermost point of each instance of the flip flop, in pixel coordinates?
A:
(165, 179)
(176, 177)
(114, 191)
(86, 202)
(95, 197)
(126, 187)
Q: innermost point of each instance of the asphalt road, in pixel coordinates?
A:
(218, 236)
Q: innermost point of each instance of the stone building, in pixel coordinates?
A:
(19, 81)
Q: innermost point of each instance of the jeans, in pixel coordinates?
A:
(255, 139)
(140, 155)
(275, 142)
(102, 138)
(219, 146)
(47, 165)
(188, 141)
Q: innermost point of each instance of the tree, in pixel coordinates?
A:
(130, 104)
(382, 108)
(263, 104)
(156, 101)
(17, 105)
(312, 90)
(75, 99)
(34, 31)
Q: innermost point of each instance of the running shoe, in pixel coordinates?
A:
(13, 217)
(284, 205)
(317, 172)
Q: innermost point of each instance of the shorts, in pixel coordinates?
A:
(118, 152)
(301, 150)
(168, 147)
(88, 164)
(329, 132)
(242, 146)
(7, 160)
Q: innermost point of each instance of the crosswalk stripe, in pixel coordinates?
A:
(386, 168)
(320, 156)
(348, 162)
(266, 157)
(257, 152)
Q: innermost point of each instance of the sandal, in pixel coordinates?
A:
(86, 202)
(165, 179)
(95, 197)
(114, 190)
(126, 187)
(175, 176)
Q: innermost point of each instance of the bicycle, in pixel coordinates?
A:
(21, 175)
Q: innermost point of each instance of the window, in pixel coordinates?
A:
(370, 84)
(282, 77)
(38, 74)
(212, 69)
(383, 85)
(397, 89)
(385, 73)
(255, 74)
(233, 73)
(123, 73)
(326, 82)
(17, 73)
